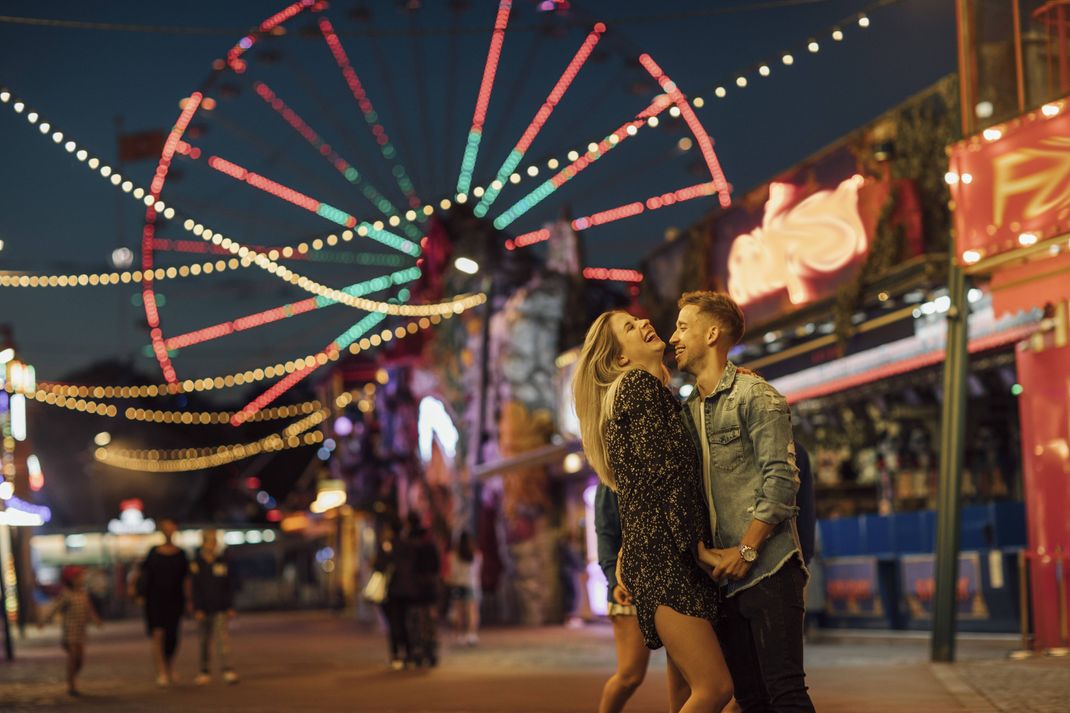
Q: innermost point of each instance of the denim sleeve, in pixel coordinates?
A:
(607, 528)
(769, 426)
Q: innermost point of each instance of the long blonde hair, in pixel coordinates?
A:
(594, 389)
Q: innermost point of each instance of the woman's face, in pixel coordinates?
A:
(639, 343)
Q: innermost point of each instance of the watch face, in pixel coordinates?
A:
(748, 554)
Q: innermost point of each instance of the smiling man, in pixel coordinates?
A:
(742, 428)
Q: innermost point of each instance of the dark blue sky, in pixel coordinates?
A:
(56, 216)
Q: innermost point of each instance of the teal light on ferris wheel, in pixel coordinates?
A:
(475, 134)
(539, 120)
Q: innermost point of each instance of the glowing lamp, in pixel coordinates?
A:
(466, 265)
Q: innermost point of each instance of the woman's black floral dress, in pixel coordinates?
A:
(662, 509)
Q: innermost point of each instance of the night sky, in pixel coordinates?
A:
(58, 217)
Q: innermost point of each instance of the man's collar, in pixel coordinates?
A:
(728, 377)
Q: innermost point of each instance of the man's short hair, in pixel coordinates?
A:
(720, 307)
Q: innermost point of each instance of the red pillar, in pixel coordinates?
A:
(1044, 406)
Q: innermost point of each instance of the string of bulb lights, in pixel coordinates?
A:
(454, 306)
(203, 418)
(186, 459)
(124, 277)
(249, 376)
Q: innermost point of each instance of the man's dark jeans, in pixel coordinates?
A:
(762, 638)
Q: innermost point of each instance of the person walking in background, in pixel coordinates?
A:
(633, 657)
(427, 564)
(163, 588)
(213, 606)
(741, 426)
(465, 565)
(393, 560)
(635, 440)
(77, 610)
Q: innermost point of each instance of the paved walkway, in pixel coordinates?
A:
(316, 662)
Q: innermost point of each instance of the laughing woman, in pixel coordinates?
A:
(634, 439)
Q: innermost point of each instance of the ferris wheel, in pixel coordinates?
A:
(381, 224)
(281, 163)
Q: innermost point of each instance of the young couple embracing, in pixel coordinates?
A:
(710, 554)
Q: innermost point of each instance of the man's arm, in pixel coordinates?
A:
(769, 426)
(768, 423)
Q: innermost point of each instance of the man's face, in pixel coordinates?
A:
(693, 339)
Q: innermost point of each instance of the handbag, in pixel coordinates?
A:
(375, 589)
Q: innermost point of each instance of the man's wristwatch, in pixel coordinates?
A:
(748, 553)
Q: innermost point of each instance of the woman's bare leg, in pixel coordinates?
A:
(693, 647)
(679, 691)
(632, 659)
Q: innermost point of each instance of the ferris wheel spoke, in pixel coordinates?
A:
(329, 154)
(595, 151)
(274, 155)
(405, 143)
(697, 130)
(428, 148)
(451, 81)
(540, 119)
(306, 251)
(292, 309)
(489, 145)
(620, 212)
(324, 210)
(368, 110)
(342, 128)
(148, 234)
(475, 133)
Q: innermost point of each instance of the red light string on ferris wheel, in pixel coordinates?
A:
(612, 274)
(595, 151)
(627, 210)
(475, 134)
(517, 154)
(148, 234)
(331, 353)
(324, 210)
(259, 319)
(697, 130)
(386, 148)
(234, 60)
(348, 171)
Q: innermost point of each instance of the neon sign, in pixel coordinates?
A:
(798, 248)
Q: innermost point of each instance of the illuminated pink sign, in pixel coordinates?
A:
(801, 248)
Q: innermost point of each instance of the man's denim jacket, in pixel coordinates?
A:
(751, 471)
